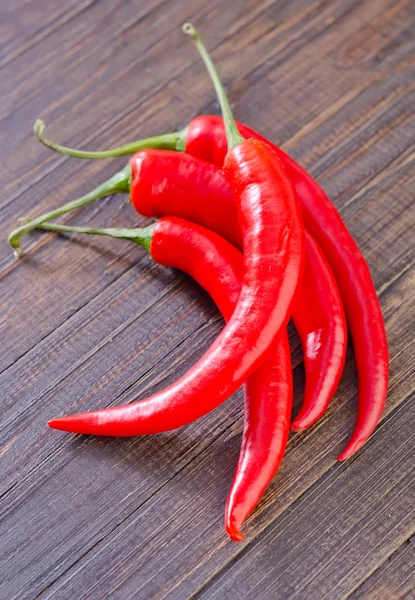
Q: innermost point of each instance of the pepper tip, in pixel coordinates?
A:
(233, 532)
(57, 423)
(351, 448)
(297, 426)
(344, 455)
(236, 536)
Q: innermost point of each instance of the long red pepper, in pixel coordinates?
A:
(205, 138)
(273, 259)
(166, 183)
(217, 266)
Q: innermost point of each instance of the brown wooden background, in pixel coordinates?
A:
(91, 323)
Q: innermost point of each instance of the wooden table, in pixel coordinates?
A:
(92, 322)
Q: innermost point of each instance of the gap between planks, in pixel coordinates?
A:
(381, 567)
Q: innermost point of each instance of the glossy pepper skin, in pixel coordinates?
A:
(205, 138)
(217, 266)
(268, 402)
(160, 187)
(272, 232)
(320, 322)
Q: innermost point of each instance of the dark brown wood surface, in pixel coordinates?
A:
(92, 322)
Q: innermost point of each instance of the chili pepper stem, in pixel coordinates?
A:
(232, 134)
(141, 236)
(167, 141)
(120, 182)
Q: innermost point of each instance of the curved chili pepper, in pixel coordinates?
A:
(320, 322)
(217, 266)
(166, 183)
(273, 258)
(268, 402)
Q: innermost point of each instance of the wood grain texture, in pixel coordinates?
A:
(24, 24)
(393, 580)
(93, 322)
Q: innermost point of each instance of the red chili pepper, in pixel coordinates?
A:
(165, 183)
(217, 266)
(273, 258)
(319, 319)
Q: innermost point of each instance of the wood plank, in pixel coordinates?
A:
(98, 48)
(340, 529)
(104, 28)
(394, 580)
(39, 71)
(23, 23)
(149, 68)
(174, 544)
(51, 464)
(393, 143)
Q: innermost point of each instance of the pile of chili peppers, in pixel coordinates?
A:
(258, 233)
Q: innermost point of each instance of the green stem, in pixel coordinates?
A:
(141, 236)
(168, 141)
(232, 134)
(120, 182)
